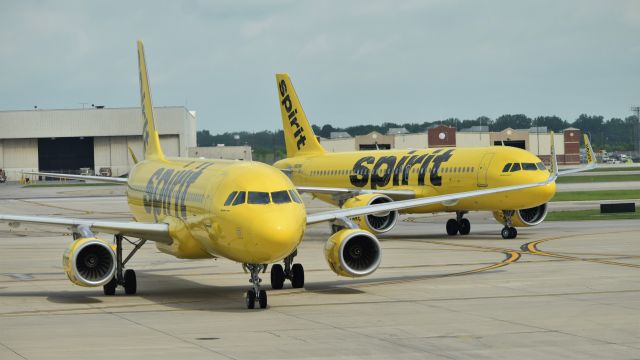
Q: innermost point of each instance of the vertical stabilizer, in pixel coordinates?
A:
(150, 139)
(298, 134)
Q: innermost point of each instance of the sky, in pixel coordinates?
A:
(351, 62)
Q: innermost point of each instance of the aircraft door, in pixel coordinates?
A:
(483, 168)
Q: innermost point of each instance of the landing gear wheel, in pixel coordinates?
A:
(452, 227)
(130, 282)
(464, 227)
(110, 287)
(262, 299)
(513, 233)
(297, 281)
(506, 233)
(251, 299)
(277, 277)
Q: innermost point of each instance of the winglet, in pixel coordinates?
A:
(150, 139)
(591, 159)
(133, 156)
(554, 159)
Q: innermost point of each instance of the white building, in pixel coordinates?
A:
(70, 139)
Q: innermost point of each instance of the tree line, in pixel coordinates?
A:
(614, 134)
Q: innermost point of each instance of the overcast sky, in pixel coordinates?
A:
(352, 62)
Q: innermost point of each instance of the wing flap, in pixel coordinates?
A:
(148, 231)
(115, 180)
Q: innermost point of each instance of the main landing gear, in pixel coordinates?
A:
(459, 225)
(124, 278)
(294, 272)
(255, 293)
(508, 231)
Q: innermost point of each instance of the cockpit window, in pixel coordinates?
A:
(240, 198)
(280, 197)
(506, 167)
(515, 167)
(258, 197)
(529, 166)
(295, 197)
(230, 198)
(540, 166)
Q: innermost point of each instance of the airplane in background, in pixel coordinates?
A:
(363, 178)
(244, 211)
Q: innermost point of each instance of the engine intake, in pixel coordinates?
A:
(89, 262)
(353, 253)
(525, 217)
(376, 223)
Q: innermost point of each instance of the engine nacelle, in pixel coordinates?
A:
(353, 253)
(89, 262)
(524, 217)
(374, 223)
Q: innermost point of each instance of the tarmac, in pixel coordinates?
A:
(561, 290)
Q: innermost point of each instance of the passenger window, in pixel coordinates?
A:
(529, 166)
(540, 166)
(516, 167)
(506, 167)
(258, 197)
(280, 197)
(295, 197)
(240, 198)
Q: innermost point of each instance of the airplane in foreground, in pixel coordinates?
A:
(364, 178)
(247, 212)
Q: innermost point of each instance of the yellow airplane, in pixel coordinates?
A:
(361, 178)
(247, 212)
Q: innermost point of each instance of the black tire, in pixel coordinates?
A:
(464, 227)
(506, 233)
(277, 277)
(251, 299)
(513, 233)
(110, 287)
(452, 227)
(297, 272)
(130, 282)
(262, 299)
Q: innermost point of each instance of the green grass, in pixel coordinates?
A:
(589, 215)
(607, 169)
(67, 184)
(593, 178)
(597, 195)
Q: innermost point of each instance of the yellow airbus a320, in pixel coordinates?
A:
(247, 212)
(362, 178)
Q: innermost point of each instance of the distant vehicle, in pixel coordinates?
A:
(613, 161)
(3, 176)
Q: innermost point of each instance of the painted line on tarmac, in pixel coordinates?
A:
(532, 248)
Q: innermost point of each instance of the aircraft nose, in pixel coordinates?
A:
(278, 233)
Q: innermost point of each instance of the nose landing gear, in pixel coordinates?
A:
(508, 231)
(255, 293)
(294, 272)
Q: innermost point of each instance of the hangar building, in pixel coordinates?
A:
(537, 140)
(68, 140)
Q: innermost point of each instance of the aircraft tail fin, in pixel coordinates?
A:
(591, 158)
(150, 139)
(298, 135)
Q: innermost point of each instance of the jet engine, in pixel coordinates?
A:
(353, 253)
(89, 262)
(375, 223)
(524, 217)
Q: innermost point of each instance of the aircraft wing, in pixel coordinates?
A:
(406, 204)
(115, 180)
(591, 159)
(394, 194)
(147, 231)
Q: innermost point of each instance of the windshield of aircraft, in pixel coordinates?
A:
(262, 197)
(513, 167)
